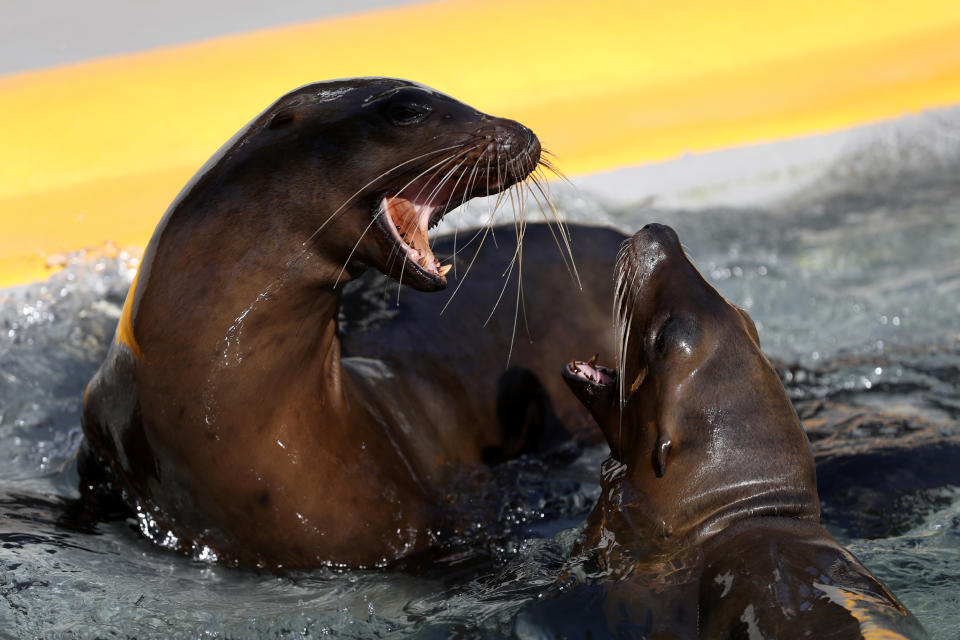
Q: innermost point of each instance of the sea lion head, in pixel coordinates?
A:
(694, 411)
(361, 169)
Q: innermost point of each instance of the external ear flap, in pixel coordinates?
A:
(281, 120)
(660, 453)
(638, 380)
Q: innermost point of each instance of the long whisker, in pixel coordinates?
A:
(493, 233)
(372, 182)
(571, 268)
(468, 189)
(518, 204)
(516, 308)
(403, 266)
(554, 170)
(564, 233)
(520, 306)
(380, 212)
(434, 166)
(486, 231)
(509, 269)
(545, 182)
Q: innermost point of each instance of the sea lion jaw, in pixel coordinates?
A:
(596, 387)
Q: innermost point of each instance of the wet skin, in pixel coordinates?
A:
(708, 521)
(227, 412)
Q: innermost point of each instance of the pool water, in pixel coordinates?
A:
(854, 284)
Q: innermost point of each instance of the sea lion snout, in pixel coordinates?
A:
(656, 237)
(644, 253)
(658, 231)
(510, 139)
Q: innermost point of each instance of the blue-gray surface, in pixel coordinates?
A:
(853, 279)
(42, 33)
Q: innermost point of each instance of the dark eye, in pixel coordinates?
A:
(407, 113)
(660, 342)
(677, 333)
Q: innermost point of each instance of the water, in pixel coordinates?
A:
(854, 284)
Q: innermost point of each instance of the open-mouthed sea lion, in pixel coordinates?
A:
(225, 411)
(709, 518)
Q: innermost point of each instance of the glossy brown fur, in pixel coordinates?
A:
(709, 518)
(225, 412)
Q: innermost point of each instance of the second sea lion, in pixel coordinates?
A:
(708, 524)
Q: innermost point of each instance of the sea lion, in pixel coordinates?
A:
(709, 516)
(225, 412)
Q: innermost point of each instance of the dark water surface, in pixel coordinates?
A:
(855, 288)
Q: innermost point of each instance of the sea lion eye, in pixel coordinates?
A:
(677, 333)
(660, 341)
(407, 113)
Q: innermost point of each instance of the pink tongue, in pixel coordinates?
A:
(590, 371)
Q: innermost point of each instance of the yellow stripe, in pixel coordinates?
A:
(125, 326)
(95, 151)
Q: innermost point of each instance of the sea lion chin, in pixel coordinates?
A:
(709, 515)
(225, 414)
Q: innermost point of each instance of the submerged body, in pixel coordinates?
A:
(709, 515)
(226, 413)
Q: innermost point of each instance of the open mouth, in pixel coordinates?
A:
(590, 372)
(408, 216)
(408, 220)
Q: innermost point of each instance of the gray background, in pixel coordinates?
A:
(41, 33)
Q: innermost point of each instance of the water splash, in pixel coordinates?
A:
(854, 290)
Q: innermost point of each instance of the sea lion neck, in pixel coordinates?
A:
(246, 286)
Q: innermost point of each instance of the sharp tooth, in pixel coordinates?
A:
(444, 268)
(423, 262)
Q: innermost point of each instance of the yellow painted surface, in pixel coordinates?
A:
(95, 151)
